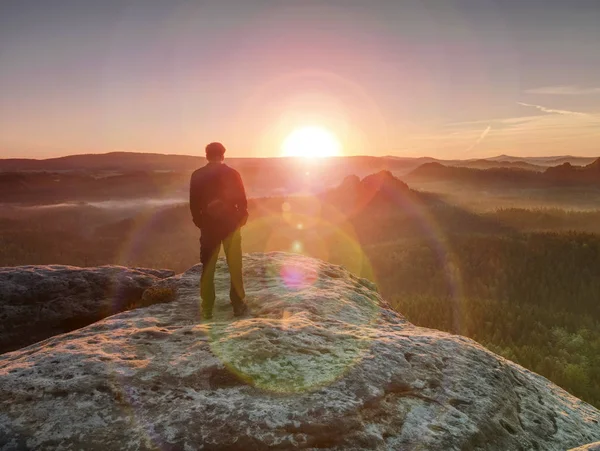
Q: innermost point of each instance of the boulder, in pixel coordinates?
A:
(37, 302)
(321, 363)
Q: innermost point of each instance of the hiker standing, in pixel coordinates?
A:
(219, 209)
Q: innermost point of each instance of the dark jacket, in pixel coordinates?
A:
(218, 200)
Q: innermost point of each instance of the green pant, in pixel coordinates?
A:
(210, 247)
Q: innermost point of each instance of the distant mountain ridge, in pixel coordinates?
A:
(563, 173)
(545, 161)
(490, 164)
(106, 161)
(132, 161)
(122, 175)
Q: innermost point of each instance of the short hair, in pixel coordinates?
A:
(215, 151)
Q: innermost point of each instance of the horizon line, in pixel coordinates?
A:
(282, 157)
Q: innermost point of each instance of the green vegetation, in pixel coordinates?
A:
(523, 283)
(531, 298)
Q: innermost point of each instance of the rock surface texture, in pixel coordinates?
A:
(37, 302)
(322, 363)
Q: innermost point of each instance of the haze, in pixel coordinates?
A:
(444, 78)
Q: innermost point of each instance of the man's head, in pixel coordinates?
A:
(215, 152)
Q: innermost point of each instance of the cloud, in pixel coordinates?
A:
(552, 111)
(564, 91)
(481, 138)
(541, 131)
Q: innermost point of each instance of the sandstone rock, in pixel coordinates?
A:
(323, 363)
(37, 302)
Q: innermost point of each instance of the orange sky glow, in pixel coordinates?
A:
(387, 78)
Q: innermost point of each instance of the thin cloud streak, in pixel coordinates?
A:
(481, 138)
(552, 111)
(564, 91)
(550, 131)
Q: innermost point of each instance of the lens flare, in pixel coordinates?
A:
(296, 277)
(275, 350)
(293, 287)
(297, 247)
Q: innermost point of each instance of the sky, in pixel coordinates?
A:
(442, 78)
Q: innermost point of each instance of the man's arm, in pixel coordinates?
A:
(195, 207)
(241, 201)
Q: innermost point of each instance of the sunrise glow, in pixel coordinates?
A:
(311, 142)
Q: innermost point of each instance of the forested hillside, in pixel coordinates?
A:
(522, 282)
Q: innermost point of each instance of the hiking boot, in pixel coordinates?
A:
(207, 316)
(240, 310)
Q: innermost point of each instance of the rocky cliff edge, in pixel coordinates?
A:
(322, 363)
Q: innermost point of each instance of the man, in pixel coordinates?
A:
(219, 209)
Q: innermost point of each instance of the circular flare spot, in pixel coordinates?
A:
(297, 246)
(296, 277)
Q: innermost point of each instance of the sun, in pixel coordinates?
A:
(311, 142)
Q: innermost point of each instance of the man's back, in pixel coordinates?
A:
(217, 199)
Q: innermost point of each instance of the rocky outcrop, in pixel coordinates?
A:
(575, 174)
(322, 363)
(37, 302)
(380, 190)
(594, 166)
